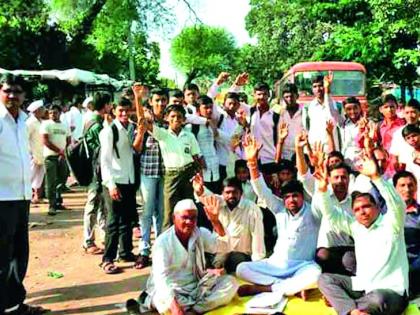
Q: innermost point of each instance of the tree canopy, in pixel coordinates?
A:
(93, 35)
(202, 50)
(384, 35)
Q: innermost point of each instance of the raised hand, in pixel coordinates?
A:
(240, 116)
(211, 207)
(198, 184)
(251, 148)
(301, 140)
(321, 176)
(317, 154)
(328, 79)
(222, 78)
(283, 131)
(369, 167)
(241, 79)
(330, 127)
(362, 123)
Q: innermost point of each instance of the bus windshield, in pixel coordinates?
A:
(345, 83)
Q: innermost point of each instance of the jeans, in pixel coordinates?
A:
(14, 252)
(119, 220)
(152, 192)
(94, 214)
(56, 174)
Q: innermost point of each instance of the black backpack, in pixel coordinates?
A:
(80, 159)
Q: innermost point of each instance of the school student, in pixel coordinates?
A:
(119, 181)
(206, 137)
(180, 153)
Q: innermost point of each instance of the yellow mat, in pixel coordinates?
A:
(295, 306)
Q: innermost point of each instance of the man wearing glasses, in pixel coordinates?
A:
(15, 197)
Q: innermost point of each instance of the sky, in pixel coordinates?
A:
(229, 14)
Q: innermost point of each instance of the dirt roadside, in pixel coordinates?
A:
(55, 246)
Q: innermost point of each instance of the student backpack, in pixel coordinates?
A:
(80, 159)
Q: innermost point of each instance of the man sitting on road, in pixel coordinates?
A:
(179, 282)
(381, 282)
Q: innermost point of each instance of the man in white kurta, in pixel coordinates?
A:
(243, 221)
(291, 267)
(380, 285)
(179, 278)
(33, 124)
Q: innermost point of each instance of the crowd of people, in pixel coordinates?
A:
(289, 198)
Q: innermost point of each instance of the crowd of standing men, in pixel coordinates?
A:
(289, 198)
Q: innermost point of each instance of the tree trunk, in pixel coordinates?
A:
(411, 90)
(192, 75)
(402, 87)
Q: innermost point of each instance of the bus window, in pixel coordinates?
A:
(345, 83)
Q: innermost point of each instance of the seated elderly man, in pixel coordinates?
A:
(179, 282)
(381, 282)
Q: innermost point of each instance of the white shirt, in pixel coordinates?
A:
(328, 236)
(173, 269)
(228, 128)
(57, 134)
(400, 148)
(295, 127)
(177, 150)
(350, 148)
(318, 115)
(205, 139)
(244, 224)
(380, 249)
(75, 119)
(15, 173)
(35, 140)
(87, 116)
(116, 170)
(262, 130)
(296, 238)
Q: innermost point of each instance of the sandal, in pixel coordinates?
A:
(93, 250)
(109, 268)
(142, 262)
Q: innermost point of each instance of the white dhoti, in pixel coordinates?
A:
(288, 278)
(209, 293)
(37, 175)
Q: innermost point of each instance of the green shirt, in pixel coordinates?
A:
(380, 249)
(92, 134)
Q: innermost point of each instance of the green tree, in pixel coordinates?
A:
(384, 35)
(88, 34)
(203, 50)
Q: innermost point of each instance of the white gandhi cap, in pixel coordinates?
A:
(35, 105)
(87, 101)
(185, 204)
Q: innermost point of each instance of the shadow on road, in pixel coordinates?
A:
(88, 291)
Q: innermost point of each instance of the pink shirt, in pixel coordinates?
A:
(387, 131)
